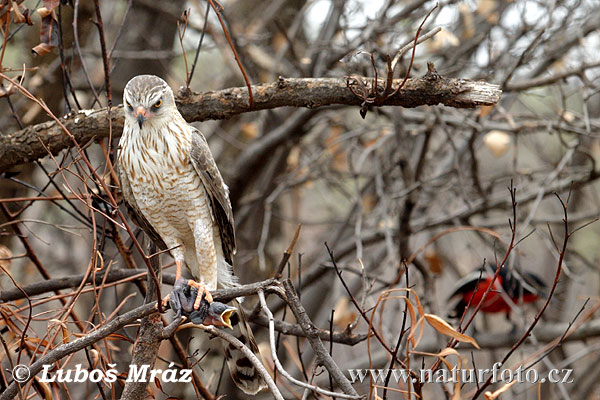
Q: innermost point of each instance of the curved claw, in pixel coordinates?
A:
(202, 292)
(193, 300)
(166, 301)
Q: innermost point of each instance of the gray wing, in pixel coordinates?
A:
(205, 166)
(134, 211)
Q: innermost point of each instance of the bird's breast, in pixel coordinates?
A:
(165, 184)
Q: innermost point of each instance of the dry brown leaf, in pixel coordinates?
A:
(333, 146)
(63, 328)
(20, 17)
(43, 12)
(48, 29)
(419, 306)
(434, 261)
(411, 334)
(493, 396)
(488, 9)
(250, 130)
(278, 41)
(158, 385)
(5, 256)
(467, 21)
(413, 319)
(484, 111)
(344, 315)
(484, 7)
(45, 388)
(443, 40)
(293, 158)
(369, 201)
(445, 328)
(420, 323)
(497, 142)
(448, 351)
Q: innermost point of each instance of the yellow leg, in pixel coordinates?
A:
(178, 267)
(202, 289)
(177, 270)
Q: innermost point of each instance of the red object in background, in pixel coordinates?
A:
(523, 288)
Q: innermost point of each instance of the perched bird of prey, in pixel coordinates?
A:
(175, 193)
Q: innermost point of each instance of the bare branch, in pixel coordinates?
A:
(30, 144)
(311, 333)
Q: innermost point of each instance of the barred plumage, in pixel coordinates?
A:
(175, 193)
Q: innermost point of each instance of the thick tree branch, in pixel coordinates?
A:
(30, 144)
(150, 335)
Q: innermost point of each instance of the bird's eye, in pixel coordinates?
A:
(128, 106)
(157, 104)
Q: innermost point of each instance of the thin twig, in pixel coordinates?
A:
(235, 54)
(105, 60)
(191, 74)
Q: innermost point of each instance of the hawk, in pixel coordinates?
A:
(174, 192)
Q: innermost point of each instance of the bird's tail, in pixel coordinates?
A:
(243, 372)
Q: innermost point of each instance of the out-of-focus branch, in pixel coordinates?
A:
(548, 80)
(30, 144)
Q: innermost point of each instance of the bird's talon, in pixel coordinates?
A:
(165, 300)
(203, 292)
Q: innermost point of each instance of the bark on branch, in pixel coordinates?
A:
(30, 144)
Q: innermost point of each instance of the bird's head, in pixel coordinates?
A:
(220, 314)
(147, 99)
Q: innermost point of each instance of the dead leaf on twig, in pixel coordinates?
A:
(497, 142)
(445, 328)
(49, 28)
(5, 256)
(20, 17)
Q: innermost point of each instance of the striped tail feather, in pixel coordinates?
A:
(243, 373)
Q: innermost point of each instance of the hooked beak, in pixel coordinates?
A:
(140, 114)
